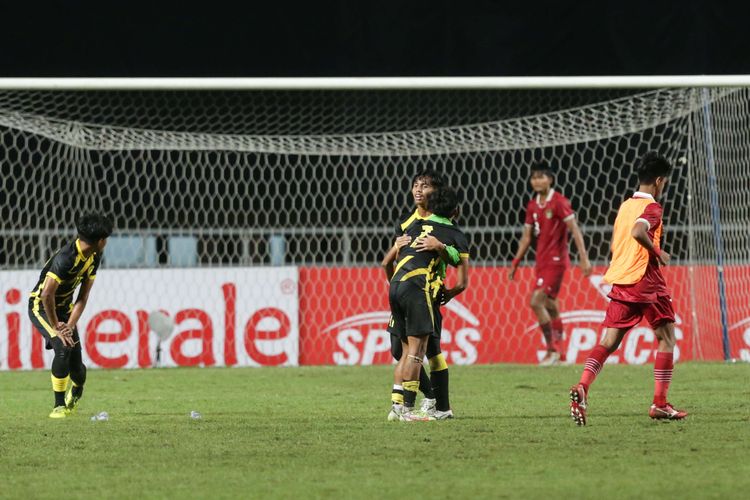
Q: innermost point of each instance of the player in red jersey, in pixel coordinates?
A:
(549, 217)
(638, 291)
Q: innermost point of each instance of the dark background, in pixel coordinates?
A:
(344, 38)
(386, 38)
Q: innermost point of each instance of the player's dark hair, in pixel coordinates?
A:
(443, 202)
(652, 166)
(544, 168)
(435, 177)
(93, 227)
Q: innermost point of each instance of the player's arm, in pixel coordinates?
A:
(48, 302)
(388, 261)
(462, 281)
(80, 304)
(431, 244)
(392, 255)
(640, 234)
(583, 254)
(523, 247)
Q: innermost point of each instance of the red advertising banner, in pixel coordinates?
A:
(344, 312)
(327, 316)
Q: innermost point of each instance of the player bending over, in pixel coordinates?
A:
(55, 315)
(549, 217)
(638, 290)
(414, 289)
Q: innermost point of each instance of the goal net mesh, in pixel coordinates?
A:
(316, 181)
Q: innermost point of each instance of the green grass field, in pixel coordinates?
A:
(322, 432)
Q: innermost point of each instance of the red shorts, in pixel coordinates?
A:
(626, 315)
(549, 280)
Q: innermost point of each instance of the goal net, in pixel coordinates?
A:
(257, 219)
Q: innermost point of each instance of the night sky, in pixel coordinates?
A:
(387, 38)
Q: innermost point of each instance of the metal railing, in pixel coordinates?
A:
(276, 242)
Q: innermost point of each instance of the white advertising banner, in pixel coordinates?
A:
(221, 316)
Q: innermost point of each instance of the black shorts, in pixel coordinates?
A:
(412, 311)
(42, 324)
(433, 343)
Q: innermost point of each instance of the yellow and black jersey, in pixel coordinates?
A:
(426, 269)
(69, 267)
(407, 220)
(414, 218)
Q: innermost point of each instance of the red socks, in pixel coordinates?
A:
(663, 366)
(594, 364)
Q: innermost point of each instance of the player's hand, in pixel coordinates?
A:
(440, 297)
(512, 272)
(402, 241)
(65, 333)
(72, 329)
(586, 268)
(664, 258)
(447, 295)
(428, 244)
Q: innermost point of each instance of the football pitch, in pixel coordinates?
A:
(322, 432)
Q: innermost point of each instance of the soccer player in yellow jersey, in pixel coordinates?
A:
(413, 296)
(423, 183)
(435, 387)
(638, 290)
(54, 313)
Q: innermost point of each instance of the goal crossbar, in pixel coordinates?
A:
(370, 83)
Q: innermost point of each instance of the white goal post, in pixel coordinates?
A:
(379, 83)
